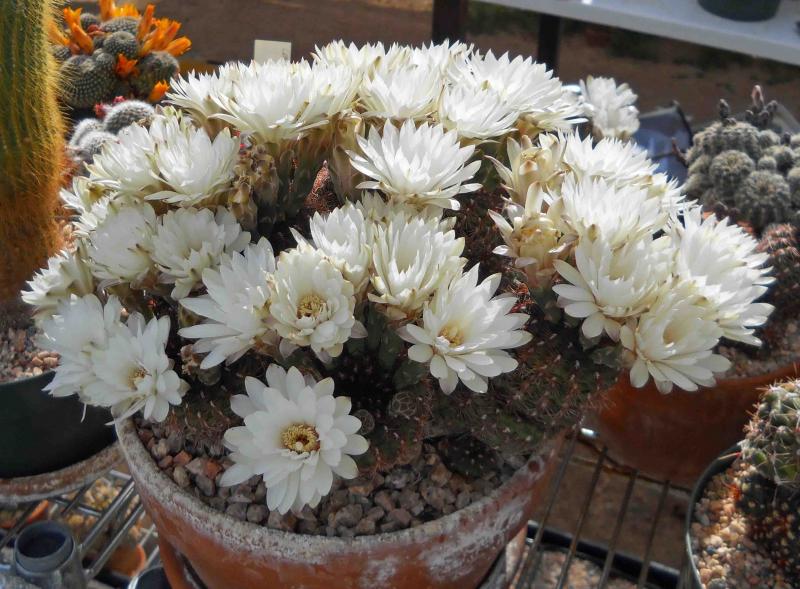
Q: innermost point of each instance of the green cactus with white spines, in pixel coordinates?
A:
(126, 113)
(770, 484)
(781, 243)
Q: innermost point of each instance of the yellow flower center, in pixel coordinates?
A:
(300, 438)
(136, 375)
(310, 306)
(452, 334)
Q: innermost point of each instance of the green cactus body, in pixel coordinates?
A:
(91, 143)
(770, 483)
(126, 113)
(121, 43)
(153, 68)
(744, 169)
(83, 128)
(87, 20)
(782, 244)
(88, 79)
(129, 24)
(31, 147)
(764, 198)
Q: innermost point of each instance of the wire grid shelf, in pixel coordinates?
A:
(112, 524)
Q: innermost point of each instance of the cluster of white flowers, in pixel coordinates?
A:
(108, 363)
(170, 223)
(631, 260)
(610, 108)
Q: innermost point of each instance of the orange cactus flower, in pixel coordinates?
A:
(126, 10)
(56, 35)
(107, 8)
(158, 91)
(72, 15)
(81, 38)
(125, 67)
(179, 46)
(146, 22)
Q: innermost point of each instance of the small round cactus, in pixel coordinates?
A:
(128, 24)
(126, 113)
(83, 128)
(91, 143)
(729, 169)
(121, 43)
(86, 81)
(156, 67)
(763, 198)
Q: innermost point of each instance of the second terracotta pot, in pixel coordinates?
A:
(453, 552)
(675, 436)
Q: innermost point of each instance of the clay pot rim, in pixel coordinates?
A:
(42, 486)
(173, 498)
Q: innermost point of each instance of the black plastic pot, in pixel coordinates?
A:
(742, 10)
(41, 434)
(691, 577)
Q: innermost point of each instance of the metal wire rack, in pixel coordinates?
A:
(547, 543)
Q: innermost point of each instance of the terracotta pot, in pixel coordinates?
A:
(128, 561)
(675, 436)
(453, 552)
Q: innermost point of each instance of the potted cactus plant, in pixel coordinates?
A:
(115, 53)
(744, 171)
(743, 10)
(37, 434)
(743, 528)
(332, 356)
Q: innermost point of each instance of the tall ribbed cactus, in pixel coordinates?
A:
(31, 146)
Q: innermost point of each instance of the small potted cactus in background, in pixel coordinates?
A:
(745, 523)
(746, 172)
(332, 356)
(37, 435)
(116, 53)
(742, 10)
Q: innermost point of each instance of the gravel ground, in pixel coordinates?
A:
(583, 574)
(20, 357)
(785, 350)
(403, 497)
(724, 555)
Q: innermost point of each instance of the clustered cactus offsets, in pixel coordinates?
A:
(118, 52)
(310, 329)
(745, 169)
(769, 483)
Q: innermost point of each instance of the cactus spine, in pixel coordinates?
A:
(770, 483)
(31, 147)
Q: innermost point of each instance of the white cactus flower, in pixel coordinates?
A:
(120, 247)
(720, 260)
(618, 162)
(126, 165)
(422, 166)
(532, 167)
(80, 326)
(359, 59)
(196, 92)
(464, 333)
(134, 372)
(609, 285)
(274, 101)
(346, 238)
(187, 241)
(475, 114)
(595, 208)
(401, 91)
(312, 303)
(236, 307)
(296, 435)
(610, 107)
(523, 85)
(531, 235)
(67, 274)
(193, 168)
(673, 341)
(412, 258)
